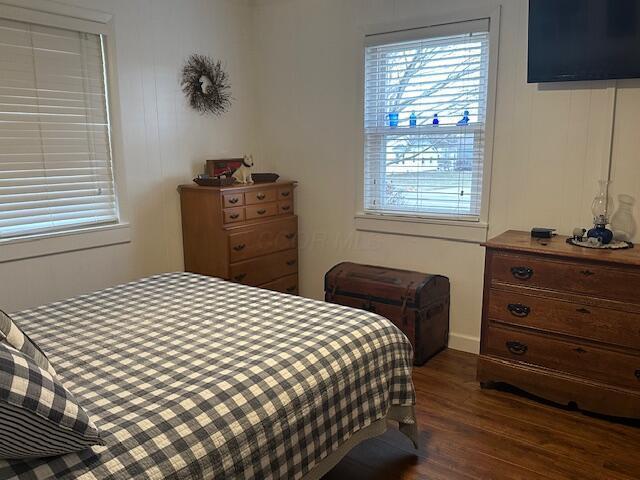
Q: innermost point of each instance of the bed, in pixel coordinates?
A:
(189, 376)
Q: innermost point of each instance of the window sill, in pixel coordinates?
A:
(21, 248)
(444, 229)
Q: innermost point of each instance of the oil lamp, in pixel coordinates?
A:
(601, 206)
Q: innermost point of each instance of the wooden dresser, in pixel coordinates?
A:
(563, 322)
(246, 234)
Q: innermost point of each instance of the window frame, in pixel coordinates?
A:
(422, 224)
(80, 237)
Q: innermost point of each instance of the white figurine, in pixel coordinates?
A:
(205, 83)
(243, 174)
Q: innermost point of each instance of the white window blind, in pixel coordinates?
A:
(55, 152)
(415, 167)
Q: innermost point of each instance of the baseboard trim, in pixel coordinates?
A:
(465, 343)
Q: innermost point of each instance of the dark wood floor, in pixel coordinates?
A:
(469, 433)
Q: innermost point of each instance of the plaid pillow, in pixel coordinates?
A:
(38, 416)
(14, 336)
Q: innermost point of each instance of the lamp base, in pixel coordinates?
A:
(602, 233)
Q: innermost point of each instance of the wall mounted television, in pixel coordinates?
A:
(572, 40)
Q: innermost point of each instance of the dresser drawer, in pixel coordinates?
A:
(261, 196)
(285, 207)
(265, 269)
(263, 239)
(582, 278)
(261, 211)
(233, 215)
(552, 315)
(285, 193)
(287, 284)
(233, 200)
(574, 358)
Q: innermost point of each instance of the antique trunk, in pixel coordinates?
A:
(417, 303)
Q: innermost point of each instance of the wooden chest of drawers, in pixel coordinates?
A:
(246, 234)
(563, 322)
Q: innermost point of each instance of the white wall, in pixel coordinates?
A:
(165, 143)
(550, 147)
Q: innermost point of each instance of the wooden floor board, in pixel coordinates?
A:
(468, 433)
(517, 429)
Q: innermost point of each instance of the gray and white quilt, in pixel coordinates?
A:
(189, 376)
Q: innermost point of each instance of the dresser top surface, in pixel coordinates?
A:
(514, 240)
(240, 186)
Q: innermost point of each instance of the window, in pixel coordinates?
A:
(424, 121)
(55, 138)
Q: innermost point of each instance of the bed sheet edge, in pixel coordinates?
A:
(404, 415)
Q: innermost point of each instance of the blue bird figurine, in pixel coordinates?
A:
(465, 119)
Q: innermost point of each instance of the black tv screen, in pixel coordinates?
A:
(583, 40)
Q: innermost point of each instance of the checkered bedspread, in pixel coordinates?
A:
(194, 377)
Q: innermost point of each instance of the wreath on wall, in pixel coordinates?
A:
(206, 85)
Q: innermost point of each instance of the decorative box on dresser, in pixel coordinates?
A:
(563, 322)
(243, 233)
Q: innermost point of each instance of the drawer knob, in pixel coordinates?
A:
(291, 289)
(290, 236)
(233, 216)
(262, 211)
(291, 263)
(517, 348)
(261, 196)
(587, 273)
(638, 374)
(239, 278)
(285, 194)
(522, 273)
(239, 247)
(583, 310)
(234, 200)
(286, 207)
(518, 309)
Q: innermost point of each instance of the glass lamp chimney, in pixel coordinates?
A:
(602, 204)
